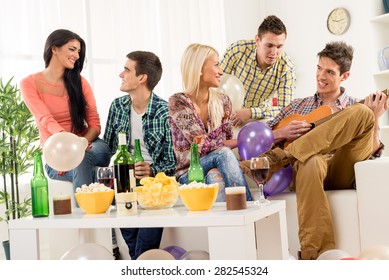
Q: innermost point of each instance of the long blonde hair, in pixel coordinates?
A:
(192, 64)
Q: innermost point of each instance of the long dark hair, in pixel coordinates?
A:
(72, 77)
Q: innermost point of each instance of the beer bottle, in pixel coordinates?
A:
(39, 189)
(195, 172)
(124, 167)
(137, 156)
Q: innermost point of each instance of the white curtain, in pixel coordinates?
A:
(112, 29)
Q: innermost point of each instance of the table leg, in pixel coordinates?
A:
(24, 244)
(102, 236)
(232, 243)
(272, 237)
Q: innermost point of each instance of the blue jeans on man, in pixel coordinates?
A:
(140, 240)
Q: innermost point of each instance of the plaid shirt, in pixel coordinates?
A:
(156, 131)
(278, 81)
(304, 106)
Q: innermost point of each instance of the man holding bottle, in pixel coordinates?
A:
(142, 115)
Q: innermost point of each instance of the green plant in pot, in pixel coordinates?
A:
(18, 141)
(23, 209)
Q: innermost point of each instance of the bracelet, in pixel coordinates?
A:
(379, 151)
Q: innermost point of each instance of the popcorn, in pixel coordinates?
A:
(196, 185)
(93, 187)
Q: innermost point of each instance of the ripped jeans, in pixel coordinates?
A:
(221, 167)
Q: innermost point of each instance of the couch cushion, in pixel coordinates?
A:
(344, 211)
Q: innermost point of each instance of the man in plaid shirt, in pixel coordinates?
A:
(266, 71)
(143, 115)
(323, 156)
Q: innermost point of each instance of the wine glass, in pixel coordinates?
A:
(105, 176)
(259, 167)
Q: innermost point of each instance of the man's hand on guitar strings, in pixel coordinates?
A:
(377, 102)
(294, 130)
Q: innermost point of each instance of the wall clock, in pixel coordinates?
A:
(338, 21)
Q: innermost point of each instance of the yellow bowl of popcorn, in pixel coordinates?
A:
(198, 196)
(95, 198)
(157, 192)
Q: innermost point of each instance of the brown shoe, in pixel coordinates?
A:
(277, 157)
(307, 255)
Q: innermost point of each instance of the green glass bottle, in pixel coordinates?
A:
(124, 167)
(195, 172)
(138, 156)
(39, 189)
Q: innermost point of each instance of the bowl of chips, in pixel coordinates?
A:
(157, 192)
(198, 196)
(94, 198)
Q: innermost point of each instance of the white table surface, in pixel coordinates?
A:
(224, 227)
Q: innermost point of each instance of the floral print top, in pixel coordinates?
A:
(187, 127)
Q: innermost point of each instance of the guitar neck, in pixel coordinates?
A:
(385, 91)
(323, 120)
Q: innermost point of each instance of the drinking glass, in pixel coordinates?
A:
(259, 169)
(106, 176)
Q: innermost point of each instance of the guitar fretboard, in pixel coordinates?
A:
(323, 120)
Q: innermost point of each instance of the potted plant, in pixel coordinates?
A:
(23, 209)
(18, 141)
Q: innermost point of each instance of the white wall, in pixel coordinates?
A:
(114, 28)
(307, 35)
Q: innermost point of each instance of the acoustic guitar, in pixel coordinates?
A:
(315, 118)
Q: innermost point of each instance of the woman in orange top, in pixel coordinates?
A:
(62, 100)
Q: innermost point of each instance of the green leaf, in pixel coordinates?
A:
(19, 139)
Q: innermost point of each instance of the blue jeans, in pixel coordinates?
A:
(221, 167)
(140, 240)
(85, 172)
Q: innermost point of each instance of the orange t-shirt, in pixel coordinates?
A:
(49, 105)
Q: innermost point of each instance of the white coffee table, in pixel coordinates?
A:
(231, 234)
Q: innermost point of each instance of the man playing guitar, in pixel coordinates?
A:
(323, 153)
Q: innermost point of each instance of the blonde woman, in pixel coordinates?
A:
(201, 115)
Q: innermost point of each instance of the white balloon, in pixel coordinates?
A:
(156, 254)
(88, 251)
(233, 87)
(333, 255)
(377, 252)
(64, 151)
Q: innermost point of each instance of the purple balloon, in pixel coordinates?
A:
(254, 139)
(279, 181)
(176, 251)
